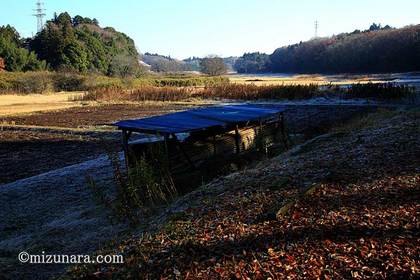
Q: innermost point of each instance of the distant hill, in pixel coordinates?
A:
(80, 44)
(194, 62)
(161, 63)
(377, 49)
(252, 63)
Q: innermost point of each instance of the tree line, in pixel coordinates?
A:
(211, 65)
(377, 49)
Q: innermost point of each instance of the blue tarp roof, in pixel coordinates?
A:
(202, 118)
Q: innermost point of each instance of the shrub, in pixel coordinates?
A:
(33, 82)
(69, 82)
(147, 183)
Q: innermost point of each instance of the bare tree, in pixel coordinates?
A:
(213, 66)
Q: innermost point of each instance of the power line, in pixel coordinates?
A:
(39, 14)
(316, 29)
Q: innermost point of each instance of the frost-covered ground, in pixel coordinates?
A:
(410, 78)
(55, 212)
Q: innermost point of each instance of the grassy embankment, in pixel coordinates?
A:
(334, 207)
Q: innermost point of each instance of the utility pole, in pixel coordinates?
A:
(316, 29)
(39, 14)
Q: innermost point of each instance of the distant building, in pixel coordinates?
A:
(144, 64)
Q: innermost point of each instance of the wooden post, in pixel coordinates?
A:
(166, 139)
(125, 136)
(214, 145)
(181, 148)
(260, 136)
(237, 138)
(283, 131)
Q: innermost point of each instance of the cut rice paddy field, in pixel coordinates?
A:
(34, 143)
(42, 132)
(45, 141)
(306, 79)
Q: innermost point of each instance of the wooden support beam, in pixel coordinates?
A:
(166, 140)
(181, 148)
(283, 130)
(125, 137)
(260, 136)
(214, 145)
(237, 139)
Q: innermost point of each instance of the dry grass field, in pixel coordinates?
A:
(317, 79)
(13, 104)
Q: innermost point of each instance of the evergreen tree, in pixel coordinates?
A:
(14, 56)
(79, 44)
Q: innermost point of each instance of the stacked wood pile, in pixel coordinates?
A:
(200, 157)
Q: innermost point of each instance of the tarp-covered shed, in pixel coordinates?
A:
(199, 143)
(201, 119)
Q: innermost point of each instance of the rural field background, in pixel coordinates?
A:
(314, 176)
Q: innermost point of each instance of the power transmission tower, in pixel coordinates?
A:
(39, 14)
(316, 28)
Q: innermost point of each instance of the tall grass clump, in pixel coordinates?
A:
(380, 91)
(221, 91)
(254, 92)
(145, 184)
(143, 93)
(189, 81)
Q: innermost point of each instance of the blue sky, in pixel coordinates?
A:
(183, 28)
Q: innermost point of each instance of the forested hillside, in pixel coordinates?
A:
(73, 44)
(252, 63)
(376, 49)
(80, 44)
